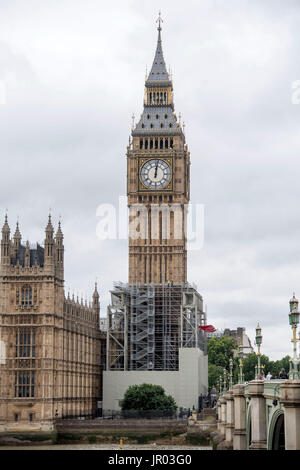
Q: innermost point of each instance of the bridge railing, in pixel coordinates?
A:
(260, 415)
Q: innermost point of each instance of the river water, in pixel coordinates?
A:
(152, 447)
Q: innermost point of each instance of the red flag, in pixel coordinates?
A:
(207, 328)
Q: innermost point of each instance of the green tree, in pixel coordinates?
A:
(285, 363)
(214, 373)
(249, 363)
(220, 350)
(276, 366)
(146, 398)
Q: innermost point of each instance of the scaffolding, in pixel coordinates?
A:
(117, 329)
(192, 317)
(142, 327)
(148, 323)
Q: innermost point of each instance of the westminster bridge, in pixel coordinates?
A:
(260, 415)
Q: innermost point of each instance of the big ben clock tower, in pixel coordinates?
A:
(153, 333)
(158, 184)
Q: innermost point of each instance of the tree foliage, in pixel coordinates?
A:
(214, 373)
(274, 367)
(220, 350)
(148, 397)
(249, 363)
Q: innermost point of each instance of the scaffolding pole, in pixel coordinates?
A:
(148, 323)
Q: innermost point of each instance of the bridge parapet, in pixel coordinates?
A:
(265, 415)
(272, 389)
(290, 399)
(258, 415)
(239, 433)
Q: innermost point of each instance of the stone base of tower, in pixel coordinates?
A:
(185, 385)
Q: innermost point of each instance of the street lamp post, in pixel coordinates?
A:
(294, 320)
(220, 384)
(230, 373)
(225, 382)
(258, 341)
(240, 356)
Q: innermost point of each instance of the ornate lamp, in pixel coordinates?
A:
(220, 384)
(294, 320)
(230, 373)
(258, 341)
(240, 356)
(225, 381)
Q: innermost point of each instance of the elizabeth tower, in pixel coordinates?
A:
(158, 184)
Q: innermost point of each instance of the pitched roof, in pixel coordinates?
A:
(157, 120)
(36, 256)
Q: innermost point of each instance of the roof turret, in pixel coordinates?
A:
(5, 228)
(17, 235)
(49, 229)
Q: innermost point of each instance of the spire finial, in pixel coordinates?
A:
(17, 235)
(6, 226)
(159, 21)
(133, 118)
(49, 217)
(49, 228)
(96, 294)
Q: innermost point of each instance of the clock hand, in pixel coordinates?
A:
(155, 173)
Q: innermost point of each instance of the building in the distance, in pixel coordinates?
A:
(49, 342)
(241, 339)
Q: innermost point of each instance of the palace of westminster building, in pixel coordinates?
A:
(52, 351)
(50, 343)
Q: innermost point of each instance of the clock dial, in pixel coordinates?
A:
(156, 174)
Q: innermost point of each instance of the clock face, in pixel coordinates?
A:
(156, 174)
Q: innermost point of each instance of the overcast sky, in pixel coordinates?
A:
(73, 73)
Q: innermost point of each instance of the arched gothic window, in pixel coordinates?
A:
(26, 296)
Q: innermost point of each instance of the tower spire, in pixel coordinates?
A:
(59, 245)
(159, 21)
(49, 245)
(158, 71)
(96, 302)
(5, 228)
(49, 229)
(17, 238)
(5, 243)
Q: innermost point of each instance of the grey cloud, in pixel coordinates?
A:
(78, 71)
